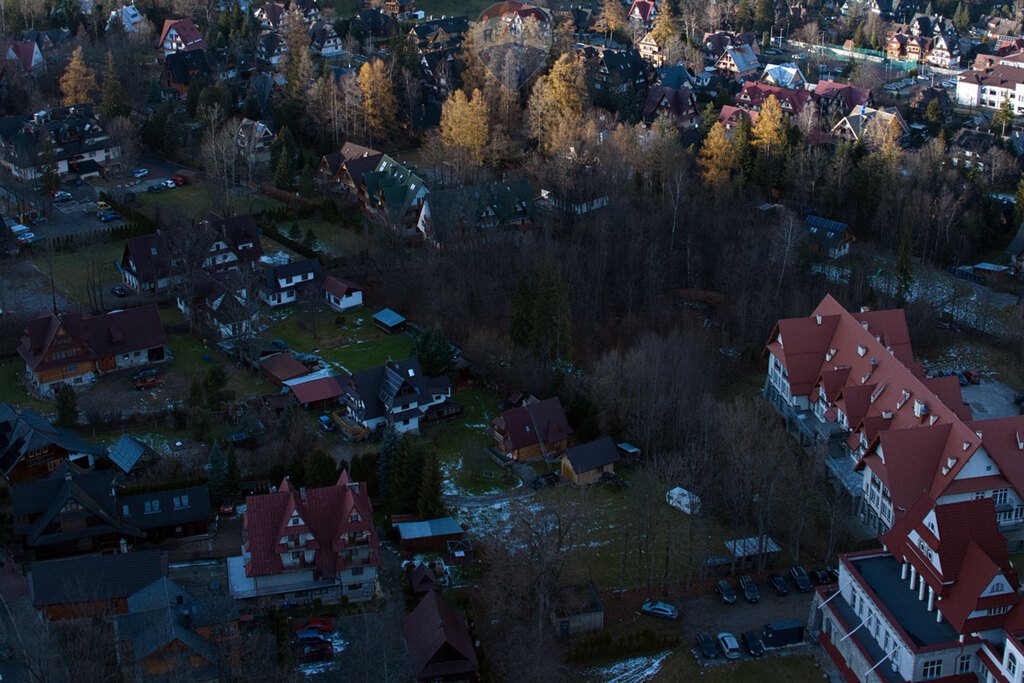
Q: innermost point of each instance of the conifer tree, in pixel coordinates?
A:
(78, 80)
(112, 95)
(379, 103)
(520, 328)
(430, 504)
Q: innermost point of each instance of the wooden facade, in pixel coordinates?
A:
(584, 478)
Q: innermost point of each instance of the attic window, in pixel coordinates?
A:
(967, 445)
(904, 397)
(861, 350)
(932, 419)
(886, 414)
(950, 462)
(412, 373)
(877, 392)
(920, 409)
(1020, 442)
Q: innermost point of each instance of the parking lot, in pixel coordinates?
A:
(990, 399)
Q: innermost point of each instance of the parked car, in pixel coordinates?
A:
(962, 378)
(310, 634)
(778, 584)
(155, 189)
(322, 624)
(179, 179)
(725, 592)
(753, 644)
(706, 646)
(821, 577)
(60, 196)
(751, 593)
(228, 507)
(326, 423)
(801, 579)
(972, 376)
(144, 373)
(140, 173)
(662, 610)
(119, 291)
(107, 216)
(26, 238)
(279, 344)
(169, 184)
(729, 646)
(316, 651)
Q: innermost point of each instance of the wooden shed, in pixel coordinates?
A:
(431, 535)
(587, 463)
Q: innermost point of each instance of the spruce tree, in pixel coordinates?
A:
(67, 407)
(295, 468)
(904, 265)
(551, 337)
(232, 475)
(283, 173)
(321, 469)
(112, 95)
(430, 504)
(435, 354)
(520, 329)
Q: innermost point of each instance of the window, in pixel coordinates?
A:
(357, 571)
(999, 496)
(180, 502)
(1011, 664)
(124, 511)
(354, 517)
(71, 368)
(978, 495)
(998, 610)
(932, 669)
(296, 555)
(152, 506)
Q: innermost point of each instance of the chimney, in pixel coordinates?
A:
(302, 493)
(817, 319)
(1020, 442)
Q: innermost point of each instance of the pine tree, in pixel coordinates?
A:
(435, 354)
(309, 239)
(520, 329)
(962, 17)
(764, 15)
(218, 478)
(1002, 119)
(465, 125)
(557, 104)
(67, 407)
(321, 469)
(717, 158)
(297, 65)
(666, 23)
(215, 384)
(295, 468)
(742, 141)
(551, 337)
(251, 108)
(430, 504)
(112, 95)
(904, 265)
(307, 186)
(283, 177)
(78, 80)
(379, 103)
(50, 178)
(390, 452)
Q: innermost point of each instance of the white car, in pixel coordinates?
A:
(169, 184)
(62, 196)
(729, 646)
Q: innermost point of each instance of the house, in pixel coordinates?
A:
(714, 44)
(323, 39)
(389, 321)
(989, 88)
(919, 103)
(287, 283)
(679, 104)
(74, 350)
(827, 238)
(396, 394)
(20, 58)
(731, 116)
(475, 212)
(587, 463)
(431, 535)
(443, 35)
(270, 49)
(31, 448)
(970, 149)
(75, 511)
(533, 430)
(374, 24)
(169, 633)
(310, 9)
(127, 16)
(422, 579)
(615, 72)
(75, 136)
(181, 67)
(786, 75)
(870, 126)
(650, 50)
(642, 13)
(281, 367)
(342, 295)
(674, 77)
(440, 647)
(221, 305)
(301, 544)
(270, 15)
(254, 139)
(388, 192)
(180, 35)
(92, 585)
(835, 99)
(577, 610)
(1000, 28)
(738, 63)
(754, 93)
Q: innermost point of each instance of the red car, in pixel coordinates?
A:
(320, 624)
(972, 376)
(179, 179)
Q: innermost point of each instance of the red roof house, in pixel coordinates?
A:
(180, 35)
(298, 539)
(281, 367)
(440, 647)
(533, 430)
(753, 95)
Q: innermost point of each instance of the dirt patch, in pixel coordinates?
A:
(32, 287)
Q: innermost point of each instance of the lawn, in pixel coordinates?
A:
(71, 268)
(13, 391)
(356, 346)
(461, 445)
(191, 200)
(192, 358)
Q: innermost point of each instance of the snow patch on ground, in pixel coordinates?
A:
(635, 670)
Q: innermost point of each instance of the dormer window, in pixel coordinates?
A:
(354, 517)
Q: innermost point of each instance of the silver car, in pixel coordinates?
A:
(729, 646)
(662, 610)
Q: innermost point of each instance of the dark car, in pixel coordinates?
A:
(778, 584)
(821, 577)
(145, 373)
(279, 344)
(972, 376)
(752, 643)
(107, 216)
(311, 634)
(316, 651)
(706, 646)
(801, 579)
(118, 290)
(751, 593)
(545, 480)
(726, 592)
(962, 378)
(155, 189)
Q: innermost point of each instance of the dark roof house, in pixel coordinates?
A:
(440, 646)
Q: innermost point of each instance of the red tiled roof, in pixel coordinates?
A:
(730, 115)
(521, 425)
(23, 50)
(186, 30)
(642, 8)
(851, 95)
(326, 513)
(911, 457)
(792, 100)
(977, 573)
(948, 391)
(1003, 439)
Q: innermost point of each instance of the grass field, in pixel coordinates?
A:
(356, 346)
(196, 201)
(12, 390)
(71, 268)
(461, 445)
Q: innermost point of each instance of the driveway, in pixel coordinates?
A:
(990, 399)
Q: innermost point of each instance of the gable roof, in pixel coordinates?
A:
(851, 95)
(532, 422)
(186, 29)
(314, 391)
(126, 452)
(439, 643)
(95, 577)
(26, 430)
(593, 455)
(327, 514)
(792, 100)
(340, 287)
(283, 366)
(182, 65)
